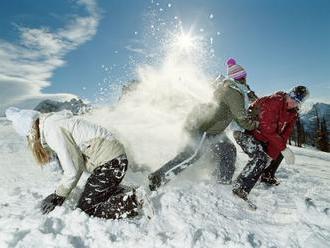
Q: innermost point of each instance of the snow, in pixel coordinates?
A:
(191, 211)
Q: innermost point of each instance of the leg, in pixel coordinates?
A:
(102, 196)
(172, 168)
(272, 168)
(224, 155)
(175, 166)
(257, 163)
(268, 175)
(122, 204)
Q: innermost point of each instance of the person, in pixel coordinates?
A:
(206, 123)
(80, 146)
(277, 115)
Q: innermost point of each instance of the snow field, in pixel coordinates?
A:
(191, 211)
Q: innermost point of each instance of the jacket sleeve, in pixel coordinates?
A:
(235, 102)
(268, 127)
(70, 158)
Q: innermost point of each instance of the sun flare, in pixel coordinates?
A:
(185, 41)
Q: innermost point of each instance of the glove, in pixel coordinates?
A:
(50, 202)
(288, 156)
(252, 96)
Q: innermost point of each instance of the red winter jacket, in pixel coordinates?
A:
(276, 122)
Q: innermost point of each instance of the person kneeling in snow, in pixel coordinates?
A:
(80, 146)
(277, 115)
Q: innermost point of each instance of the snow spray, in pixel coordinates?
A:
(149, 119)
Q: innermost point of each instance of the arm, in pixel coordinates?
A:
(70, 159)
(251, 94)
(235, 101)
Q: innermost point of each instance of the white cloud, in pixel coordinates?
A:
(27, 67)
(135, 49)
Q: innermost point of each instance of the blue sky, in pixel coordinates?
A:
(82, 46)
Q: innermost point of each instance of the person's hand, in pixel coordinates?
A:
(50, 202)
(288, 156)
(252, 96)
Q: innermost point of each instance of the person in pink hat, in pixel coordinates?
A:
(206, 125)
(237, 72)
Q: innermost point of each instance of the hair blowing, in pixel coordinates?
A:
(41, 154)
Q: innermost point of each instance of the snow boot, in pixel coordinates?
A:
(241, 193)
(155, 181)
(269, 180)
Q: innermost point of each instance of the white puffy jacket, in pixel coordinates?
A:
(79, 145)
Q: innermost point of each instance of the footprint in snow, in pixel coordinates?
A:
(309, 203)
(52, 225)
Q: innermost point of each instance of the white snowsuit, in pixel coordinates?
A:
(79, 145)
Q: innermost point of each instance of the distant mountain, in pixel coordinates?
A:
(309, 120)
(76, 106)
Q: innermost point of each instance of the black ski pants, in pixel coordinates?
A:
(223, 153)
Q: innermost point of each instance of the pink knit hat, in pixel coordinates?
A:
(234, 70)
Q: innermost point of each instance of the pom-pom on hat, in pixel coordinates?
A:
(22, 119)
(234, 70)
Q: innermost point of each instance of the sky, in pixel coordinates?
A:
(89, 48)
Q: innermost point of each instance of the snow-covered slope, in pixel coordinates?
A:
(189, 212)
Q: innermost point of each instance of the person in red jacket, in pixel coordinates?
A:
(277, 115)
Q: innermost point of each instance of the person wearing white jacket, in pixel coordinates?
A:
(80, 146)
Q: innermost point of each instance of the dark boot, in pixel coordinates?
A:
(269, 180)
(155, 181)
(241, 193)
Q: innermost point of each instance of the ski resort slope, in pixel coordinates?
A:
(191, 211)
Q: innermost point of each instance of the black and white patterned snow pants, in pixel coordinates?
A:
(259, 160)
(103, 196)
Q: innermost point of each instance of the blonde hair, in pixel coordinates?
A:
(41, 155)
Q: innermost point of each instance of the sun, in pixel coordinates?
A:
(185, 41)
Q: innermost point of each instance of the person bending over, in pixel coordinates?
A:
(277, 115)
(206, 124)
(80, 146)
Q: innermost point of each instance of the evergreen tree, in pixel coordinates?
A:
(322, 137)
(298, 136)
(317, 128)
(301, 136)
(293, 137)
